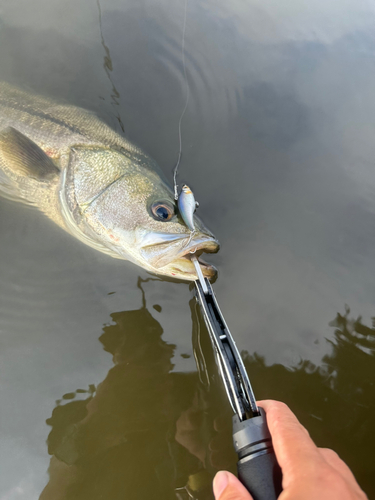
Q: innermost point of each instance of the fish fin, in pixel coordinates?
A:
(10, 190)
(25, 158)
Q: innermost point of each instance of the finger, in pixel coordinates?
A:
(332, 458)
(294, 449)
(227, 487)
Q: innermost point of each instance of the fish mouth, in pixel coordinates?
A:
(183, 268)
(172, 255)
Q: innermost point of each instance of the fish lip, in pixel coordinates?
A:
(155, 239)
(202, 243)
(174, 270)
(199, 247)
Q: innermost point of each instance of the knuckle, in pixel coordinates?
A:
(272, 405)
(326, 477)
(279, 405)
(330, 454)
(277, 411)
(305, 431)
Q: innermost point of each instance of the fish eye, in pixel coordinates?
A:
(162, 211)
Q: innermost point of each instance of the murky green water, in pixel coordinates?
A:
(100, 396)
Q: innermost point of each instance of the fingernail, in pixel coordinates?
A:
(220, 483)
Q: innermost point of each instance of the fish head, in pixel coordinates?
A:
(126, 206)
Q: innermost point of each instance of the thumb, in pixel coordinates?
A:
(227, 487)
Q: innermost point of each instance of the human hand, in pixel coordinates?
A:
(309, 472)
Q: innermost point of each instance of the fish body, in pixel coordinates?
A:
(95, 184)
(187, 206)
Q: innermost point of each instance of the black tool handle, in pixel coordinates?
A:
(257, 467)
(261, 475)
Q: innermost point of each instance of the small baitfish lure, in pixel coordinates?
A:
(187, 206)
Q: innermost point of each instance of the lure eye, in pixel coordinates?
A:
(162, 211)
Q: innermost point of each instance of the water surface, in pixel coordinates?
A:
(100, 393)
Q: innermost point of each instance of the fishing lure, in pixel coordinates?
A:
(187, 206)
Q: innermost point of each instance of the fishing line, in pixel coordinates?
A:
(185, 107)
(108, 68)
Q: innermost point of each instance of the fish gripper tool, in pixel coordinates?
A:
(257, 467)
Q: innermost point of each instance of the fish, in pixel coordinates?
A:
(187, 206)
(96, 185)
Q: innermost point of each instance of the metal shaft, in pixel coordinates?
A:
(199, 273)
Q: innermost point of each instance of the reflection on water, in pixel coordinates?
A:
(335, 401)
(147, 432)
(144, 432)
(108, 68)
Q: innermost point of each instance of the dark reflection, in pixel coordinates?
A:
(144, 432)
(334, 401)
(108, 68)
